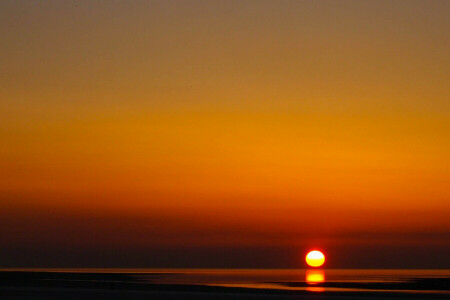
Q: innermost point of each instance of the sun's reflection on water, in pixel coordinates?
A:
(313, 279)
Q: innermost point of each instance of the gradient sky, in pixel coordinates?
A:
(224, 133)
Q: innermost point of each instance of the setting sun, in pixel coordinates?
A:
(315, 258)
(224, 149)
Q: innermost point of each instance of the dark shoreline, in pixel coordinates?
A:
(65, 285)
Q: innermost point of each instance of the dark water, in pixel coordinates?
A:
(314, 280)
(423, 282)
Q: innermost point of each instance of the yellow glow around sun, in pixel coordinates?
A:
(315, 258)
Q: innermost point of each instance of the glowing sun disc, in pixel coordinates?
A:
(315, 258)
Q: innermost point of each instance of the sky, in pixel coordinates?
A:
(228, 134)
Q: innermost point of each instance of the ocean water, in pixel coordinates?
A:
(313, 280)
(427, 282)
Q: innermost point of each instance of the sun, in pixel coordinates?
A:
(315, 258)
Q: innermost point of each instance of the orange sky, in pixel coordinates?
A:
(224, 124)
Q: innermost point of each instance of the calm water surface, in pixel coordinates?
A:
(317, 280)
(314, 280)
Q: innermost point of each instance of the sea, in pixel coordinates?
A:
(424, 282)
